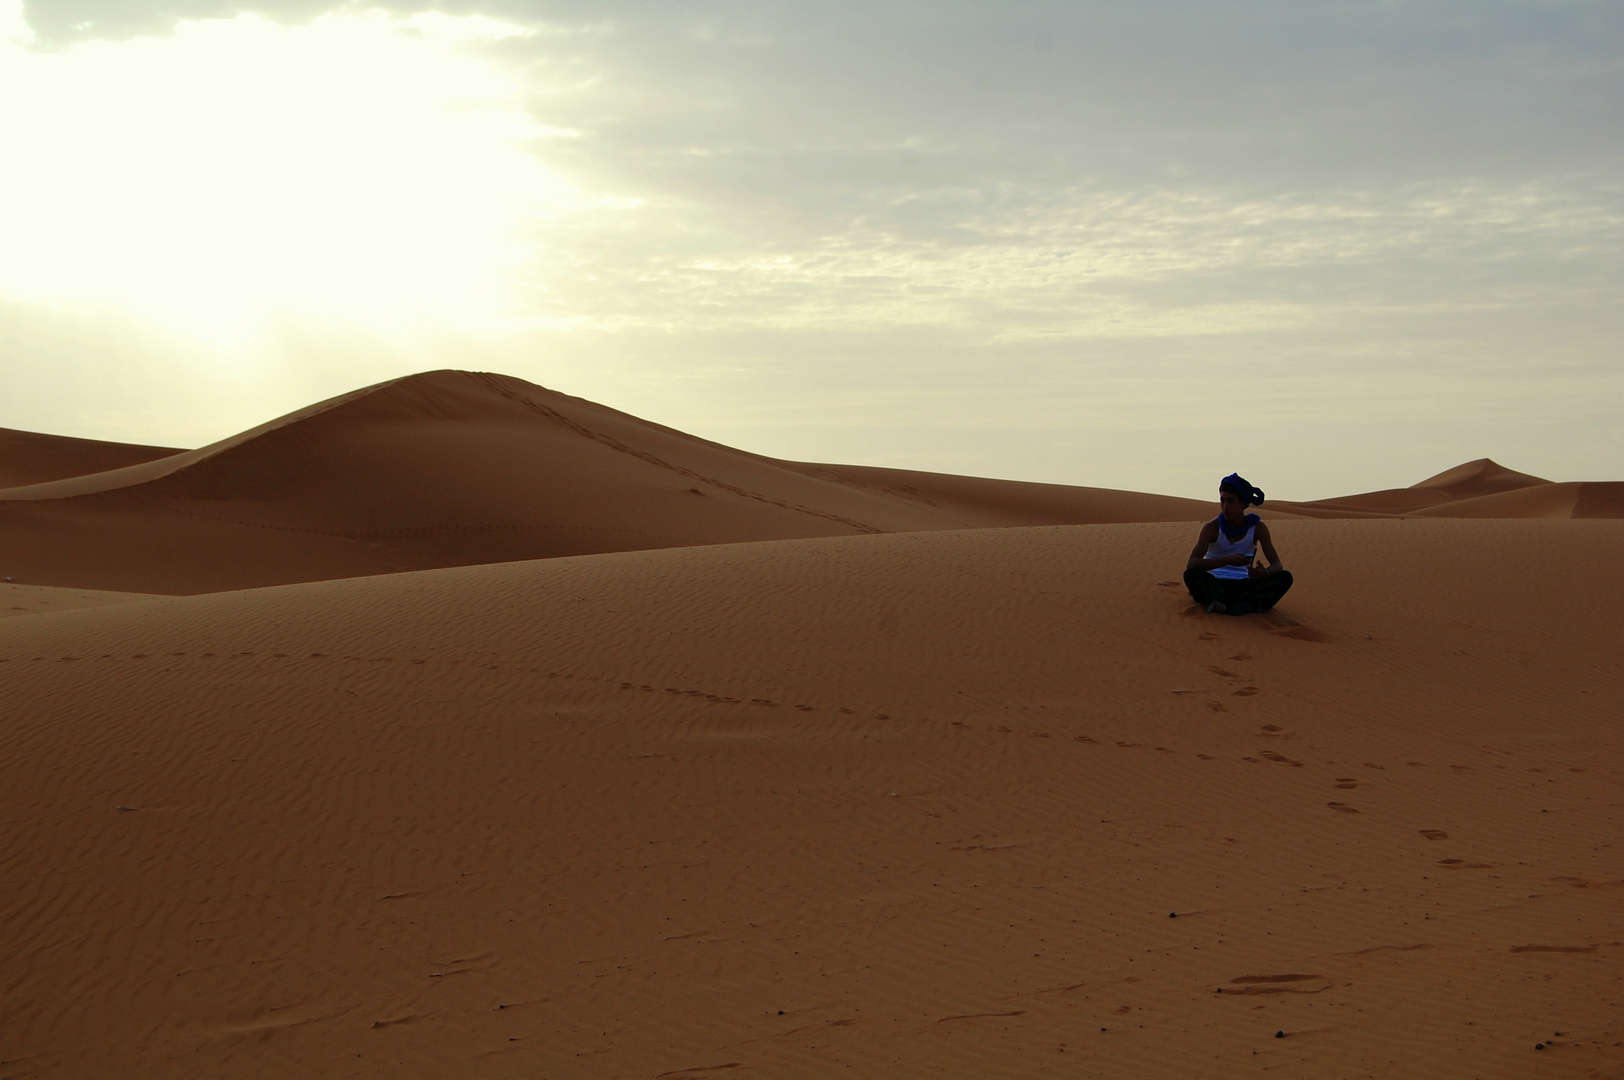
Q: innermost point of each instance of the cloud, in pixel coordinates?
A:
(1050, 213)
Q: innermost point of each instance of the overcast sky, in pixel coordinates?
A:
(1337, 246)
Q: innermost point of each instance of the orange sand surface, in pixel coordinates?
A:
(460, 728)
(894, 805)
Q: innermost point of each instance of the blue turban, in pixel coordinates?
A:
(1248, 495)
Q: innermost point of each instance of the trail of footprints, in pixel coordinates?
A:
(1246, 688)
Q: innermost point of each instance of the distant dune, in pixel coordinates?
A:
(1478, 488)
(30, 458)
(454, 468)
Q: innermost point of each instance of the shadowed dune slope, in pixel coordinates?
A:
(1571, 500)
(880, 805)
(985, 503)
(27, 457)
(454, 468)
(451, 468)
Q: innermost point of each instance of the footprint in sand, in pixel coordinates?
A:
(1434, 834)
(1270, 755)
(1246, 691)
(1275, 984)
(1347, 783)
(1281, 626)
(1586, 883)
(1553, 948)
(1341, 808)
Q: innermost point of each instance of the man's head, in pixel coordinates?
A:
(1237, 486)
(1235, 495)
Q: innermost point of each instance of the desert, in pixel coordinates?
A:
(456, 727)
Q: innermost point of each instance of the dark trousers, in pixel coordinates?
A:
(1240, 596)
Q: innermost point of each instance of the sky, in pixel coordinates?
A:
(1334, 246)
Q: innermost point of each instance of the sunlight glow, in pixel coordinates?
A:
(361, 168)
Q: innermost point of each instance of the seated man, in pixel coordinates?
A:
(1221, 574)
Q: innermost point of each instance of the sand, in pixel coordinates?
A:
(913, 803)
(27, 457)
(454, 468)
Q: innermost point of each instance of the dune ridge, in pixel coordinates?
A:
(450, 468)
(454, 468)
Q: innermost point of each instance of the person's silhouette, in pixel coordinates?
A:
(1222, 574)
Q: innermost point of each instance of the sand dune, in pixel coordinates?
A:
(888, 805)
(1456, 492)
(27, 457)
(1480, 477)
(455, 468)
(452, 468)
(1578, 500)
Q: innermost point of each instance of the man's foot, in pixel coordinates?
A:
(1217, 608)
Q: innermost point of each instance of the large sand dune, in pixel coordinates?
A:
(451, 468)
(880, 805)
(455, 468)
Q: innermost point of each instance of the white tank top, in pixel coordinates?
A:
(1223, 546)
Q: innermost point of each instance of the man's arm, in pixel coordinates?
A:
(1269, 553)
